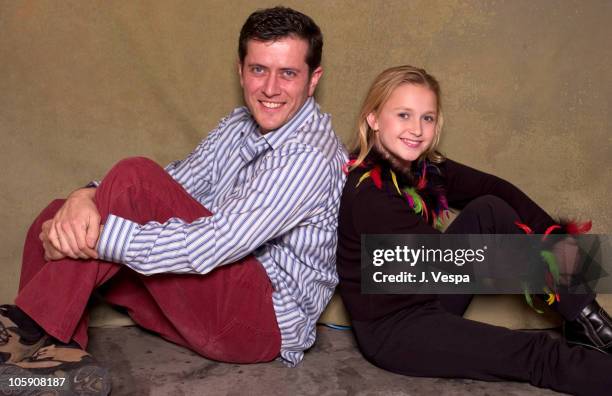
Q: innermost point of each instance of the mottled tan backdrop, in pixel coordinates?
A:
(84, 83)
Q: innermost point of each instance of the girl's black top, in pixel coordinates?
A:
(367, 209)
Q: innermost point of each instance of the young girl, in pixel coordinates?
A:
(399, 183)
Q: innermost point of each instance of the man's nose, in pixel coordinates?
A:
(271, 87)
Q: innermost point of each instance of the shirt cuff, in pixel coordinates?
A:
(115, 239)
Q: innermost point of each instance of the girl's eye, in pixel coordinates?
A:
(404, 116)
(429, 118)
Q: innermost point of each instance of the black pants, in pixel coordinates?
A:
(433, 340)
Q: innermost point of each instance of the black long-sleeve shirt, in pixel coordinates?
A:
(366, 209)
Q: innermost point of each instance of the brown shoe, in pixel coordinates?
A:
(17, 340)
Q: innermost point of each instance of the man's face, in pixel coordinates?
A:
(275, 80)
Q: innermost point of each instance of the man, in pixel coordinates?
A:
(239, 238)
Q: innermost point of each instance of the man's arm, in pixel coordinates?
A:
(74, 230)
(283, 193)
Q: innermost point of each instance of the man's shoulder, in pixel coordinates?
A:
(239, 115)
(317, 136)
(227, 130)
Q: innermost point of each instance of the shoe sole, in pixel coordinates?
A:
(27, 350)
(588, 346)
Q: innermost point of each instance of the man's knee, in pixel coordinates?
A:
(134, 168)
(136, 165)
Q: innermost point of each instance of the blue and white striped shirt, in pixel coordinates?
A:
(276, 196)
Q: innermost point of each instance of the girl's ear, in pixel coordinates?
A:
(372, 121)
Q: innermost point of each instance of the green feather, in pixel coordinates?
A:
(416, 198)
(550, 260)
(529, 300)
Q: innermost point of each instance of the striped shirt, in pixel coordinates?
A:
(276, 196)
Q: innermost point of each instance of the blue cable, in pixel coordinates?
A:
(336, 327)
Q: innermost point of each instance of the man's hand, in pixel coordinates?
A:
(51, 253)
(74, 230)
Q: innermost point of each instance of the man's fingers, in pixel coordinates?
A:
(79, 232)
(46, 226)
(70, 238)
(50, 252)
(54, 239)
(64, 246)
(44, 232)
(91, 254)
(93, 233)
(65, 243)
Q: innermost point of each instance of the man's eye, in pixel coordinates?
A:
(289, 73)
(257, 69)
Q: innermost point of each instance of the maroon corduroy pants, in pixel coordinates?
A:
(225, 315)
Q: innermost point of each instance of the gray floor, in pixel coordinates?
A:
(144, 364)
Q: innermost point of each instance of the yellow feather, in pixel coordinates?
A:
(394, 178)
(363, 177)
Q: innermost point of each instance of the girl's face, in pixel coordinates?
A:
(406, 124)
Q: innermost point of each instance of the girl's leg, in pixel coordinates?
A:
(431, 342)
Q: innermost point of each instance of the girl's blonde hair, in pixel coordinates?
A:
(377, 96)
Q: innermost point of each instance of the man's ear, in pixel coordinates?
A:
(314, 80)
(240, 73)
(372, 120)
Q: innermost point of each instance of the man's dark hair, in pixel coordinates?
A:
(276, 23)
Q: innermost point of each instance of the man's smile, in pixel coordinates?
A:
(271, 105)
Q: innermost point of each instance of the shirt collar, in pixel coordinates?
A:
(254, 143)
(278, 136)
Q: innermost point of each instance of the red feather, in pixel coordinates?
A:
(376, 178)
(422, 180)
(549, 230)
(524, 227)
(347, 165)
(578, 228)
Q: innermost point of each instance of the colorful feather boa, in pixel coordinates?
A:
(435, 216)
